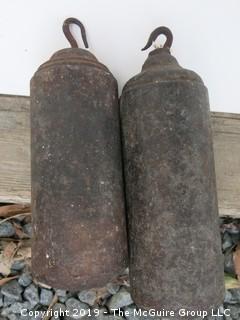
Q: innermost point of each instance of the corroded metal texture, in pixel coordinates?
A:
(175, 255)
(77, 189)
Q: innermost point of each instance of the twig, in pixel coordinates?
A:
(13, 209)
(6, 280)
(48, 313)
(17, 215)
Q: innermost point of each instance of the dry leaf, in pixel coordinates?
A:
(6, 258)
(19, 231)
(231, 283)
(102, 294)
(24, 253)
(13, 209)
(6, 280)
(236, 260)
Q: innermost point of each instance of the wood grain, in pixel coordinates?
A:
(15, 149)
(226, 142)
(15, 154)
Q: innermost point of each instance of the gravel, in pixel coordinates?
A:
(24, 293)
(6, 230)
(31, 295)
(113, 288)
(88, 296)
(18, 306)
(12, 290)
(18, 265)
(25, 279)
(27, 228)
(46, 297)
(1, 300)
(121, 299)
(72, 304)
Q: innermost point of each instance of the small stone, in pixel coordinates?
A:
(73, 305)
(58, 310)
(227, 297)
(62, 299)
(234, 311)
(228, 263)
(88, 296)
(6, 230)
(227, 241)
(31, 295)
(25, 279)
(12, 290)
(129, 313)
(46, 297)
(27, 228)
(113, 288)
(17, 307)
(1, 300)
(235, 295)
(61, 293)
(8, 301)
(18, 265)
(121, 299)
(12, 317)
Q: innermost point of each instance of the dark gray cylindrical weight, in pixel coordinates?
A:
(175, 255)
(79, 229)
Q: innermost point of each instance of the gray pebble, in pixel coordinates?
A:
(129, 313)
(113, 288)
(61, 293)
(109, 317)
(227, 241)
(121, 299)
(235, 295)
(12, 290)
(73, 304)
(1, 300)
(228, 263)
(62, 299)
(12, 317)
(228, 296)
(31, 295)
(8, 301)
(18, 265)
(6, 230)
(58, 311)
(88, 296)
(27, 228)
(17, 307)
(234, 311)
(46, 297)
(25, 279)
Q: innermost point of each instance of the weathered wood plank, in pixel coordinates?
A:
(15, 154)
(226, 138)
(14, 149)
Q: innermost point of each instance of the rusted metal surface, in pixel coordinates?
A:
(77, 189)
(175, 255)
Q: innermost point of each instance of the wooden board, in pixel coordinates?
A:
(15, 155)
(14, 149)
(226, 143)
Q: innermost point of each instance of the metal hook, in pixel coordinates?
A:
(160, 30)
(68, 34)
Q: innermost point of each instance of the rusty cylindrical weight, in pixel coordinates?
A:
(175, 255)
(77, 188)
